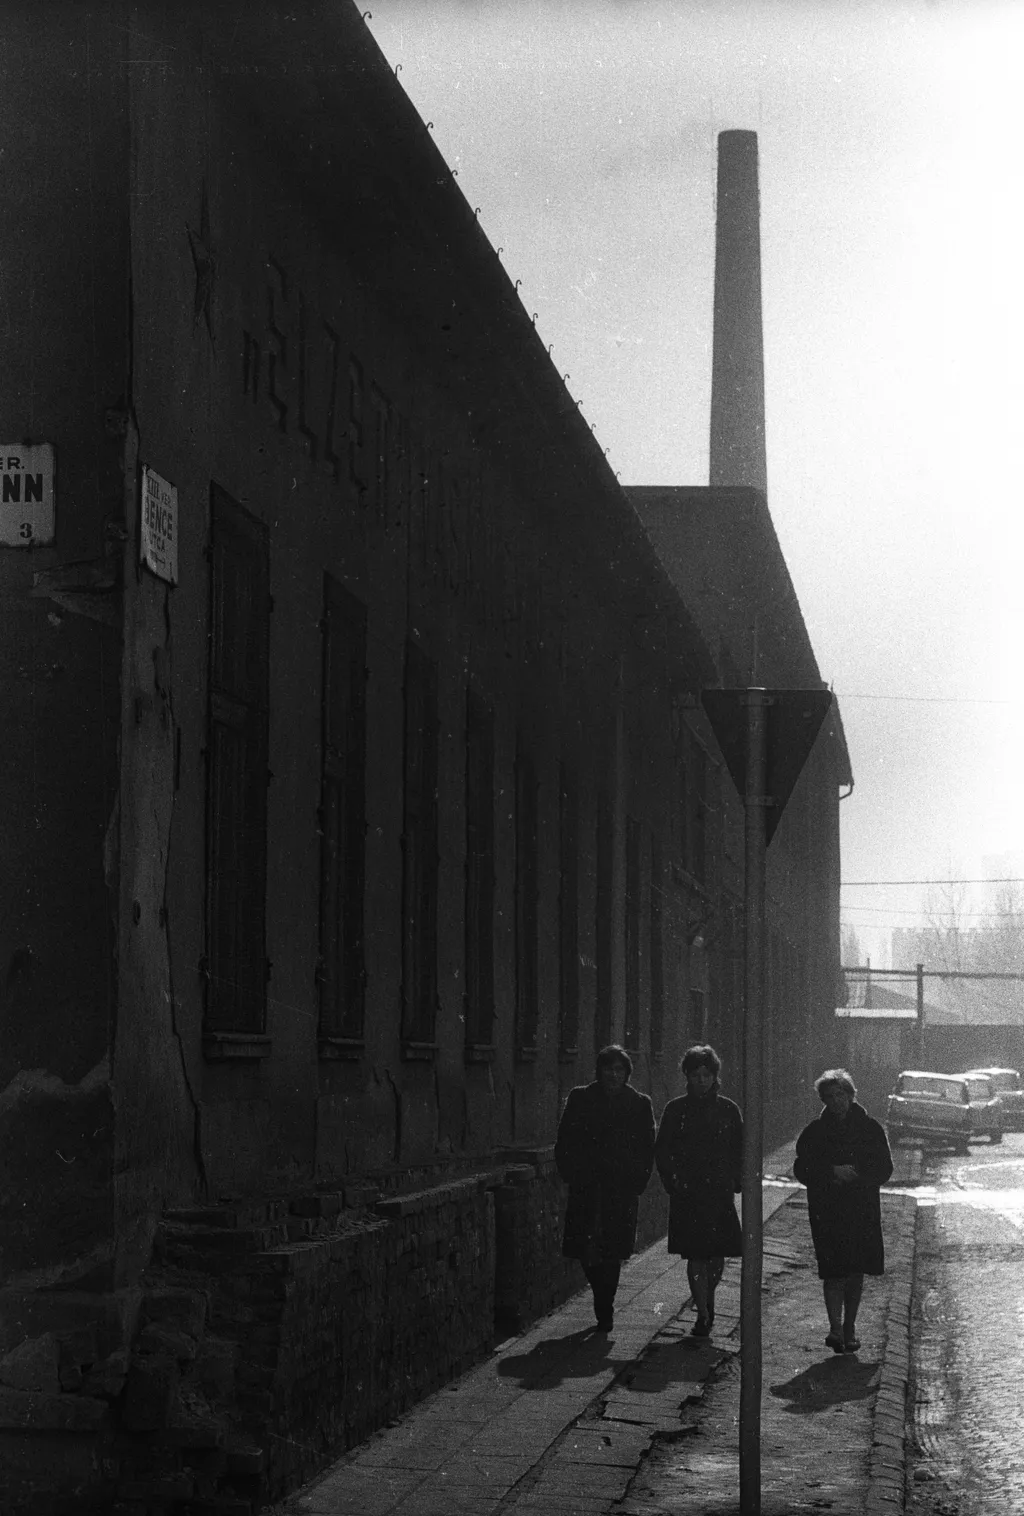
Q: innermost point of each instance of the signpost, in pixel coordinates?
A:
(765, 737)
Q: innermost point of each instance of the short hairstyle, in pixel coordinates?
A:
(614, 1053)
(830, 1079)
(701, 1055)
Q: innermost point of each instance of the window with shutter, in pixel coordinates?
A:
(420, 853)
(526, 908)
(603, 928)
(341, 968)
(237, 775)
(657, 1027)
(479, 994)
(568, 915)
(631, 1029)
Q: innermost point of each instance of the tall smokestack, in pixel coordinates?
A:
(737, 373)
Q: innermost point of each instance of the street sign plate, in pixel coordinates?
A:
(794, 718)
(158, 534)
(26, 494)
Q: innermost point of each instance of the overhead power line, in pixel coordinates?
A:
(856, 884)
(911, 910)
(930, 699)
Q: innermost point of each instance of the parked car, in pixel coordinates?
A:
(956, 1108)
(1007, 1085)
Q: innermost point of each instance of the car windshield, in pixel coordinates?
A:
(980, 1089)
(1005, 1079)
(933, 1087)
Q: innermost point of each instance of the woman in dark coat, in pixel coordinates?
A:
(605, 1152)
(843, 1158)
(699, 1157)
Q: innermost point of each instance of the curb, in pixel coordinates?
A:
(887, 1461)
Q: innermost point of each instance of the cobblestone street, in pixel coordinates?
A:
(967, 1446)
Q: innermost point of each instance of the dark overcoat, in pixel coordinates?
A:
(605, 1153)
(699, 1153)
(846, 1219)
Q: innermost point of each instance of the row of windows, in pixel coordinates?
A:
(236, 830)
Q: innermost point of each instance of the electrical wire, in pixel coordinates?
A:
(929, 699)
(856, 884)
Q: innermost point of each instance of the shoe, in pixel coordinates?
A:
(835, 1343)
(701, 1329)
(605, 1323)
(851, 1344)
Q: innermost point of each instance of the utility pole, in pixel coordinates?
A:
(765, 737)
(755, 800)
(920, 1014)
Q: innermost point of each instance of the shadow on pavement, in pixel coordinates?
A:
(575, 1356)
(685, 1360)
(824, 1384)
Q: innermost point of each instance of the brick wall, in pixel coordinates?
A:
(270, 1337)
(532, 1275)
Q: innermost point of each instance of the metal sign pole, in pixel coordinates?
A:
(753, 1110)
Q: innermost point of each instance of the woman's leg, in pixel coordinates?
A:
(853, 1286)
(697, 1277)
(716, 1267)
(603, 1279)
(835, 1293)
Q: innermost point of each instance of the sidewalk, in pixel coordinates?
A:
(564, 1421)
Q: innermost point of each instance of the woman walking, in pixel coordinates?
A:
(605, 1152)
(843, 1158)
(699, 1156)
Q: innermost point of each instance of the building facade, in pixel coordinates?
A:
(356, 784)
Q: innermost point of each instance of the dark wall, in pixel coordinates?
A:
(63, 247)
(296, 390)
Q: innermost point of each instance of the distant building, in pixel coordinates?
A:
(880, 1033)
(954, 953)
(356, 787)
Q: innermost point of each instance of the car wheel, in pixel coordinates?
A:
(960, 1147)
(995, 1137)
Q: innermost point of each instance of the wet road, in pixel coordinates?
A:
(967, 1438)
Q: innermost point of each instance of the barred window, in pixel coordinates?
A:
(527, 966)
(479, 994)
(236, 753)
(603, 923)
(657, 1025)
(341, 968)
(420, 849)
(568, 914)
(631, 1029)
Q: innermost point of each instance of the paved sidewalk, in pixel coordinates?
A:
(558, 1421)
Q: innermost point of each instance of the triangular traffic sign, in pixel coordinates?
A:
(794, 718)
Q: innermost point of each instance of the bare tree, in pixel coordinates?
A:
(850, 948)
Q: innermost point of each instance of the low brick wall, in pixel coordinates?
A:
(339, 1335)
(532, 1276)
(269, 1337)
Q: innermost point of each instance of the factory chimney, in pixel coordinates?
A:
(737, 373)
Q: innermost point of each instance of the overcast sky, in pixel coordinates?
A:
(891, 153)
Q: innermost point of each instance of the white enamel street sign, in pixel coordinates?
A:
(26, 494)
(158, 534)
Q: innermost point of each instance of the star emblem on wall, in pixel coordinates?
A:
(205, 268)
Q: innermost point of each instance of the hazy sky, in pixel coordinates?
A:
(891, 152)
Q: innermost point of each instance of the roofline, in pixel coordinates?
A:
(327, 102)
